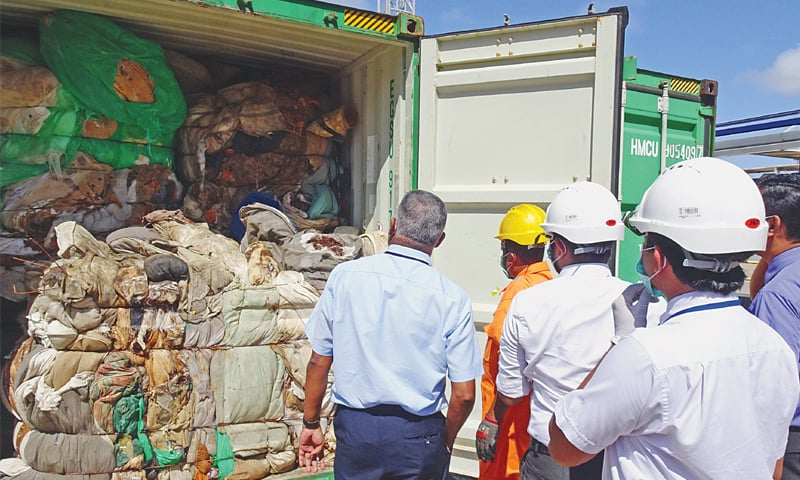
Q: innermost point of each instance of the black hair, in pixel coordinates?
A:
(700, 280)
(523, 252)
(781, 194)
(588, 257)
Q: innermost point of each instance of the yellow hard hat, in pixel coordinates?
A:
(522, 225)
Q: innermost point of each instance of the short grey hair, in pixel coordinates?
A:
(421, 217)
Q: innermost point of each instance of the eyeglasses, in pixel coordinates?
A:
(626, 221)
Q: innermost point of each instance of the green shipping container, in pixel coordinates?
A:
(667, 119)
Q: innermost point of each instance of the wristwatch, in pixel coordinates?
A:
(311, 424)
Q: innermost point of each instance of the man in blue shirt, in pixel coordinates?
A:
(394, 329)
(777, 302)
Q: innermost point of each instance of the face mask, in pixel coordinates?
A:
(647, 280)
(548, 258)
(503, 266)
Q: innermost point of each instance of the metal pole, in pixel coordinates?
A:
(663, 107)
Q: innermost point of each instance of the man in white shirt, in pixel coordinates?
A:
(710, 392)
(556, 332)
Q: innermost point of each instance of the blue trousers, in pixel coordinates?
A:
(386, 442)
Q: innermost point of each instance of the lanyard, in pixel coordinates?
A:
(707, 306)
(395, 254)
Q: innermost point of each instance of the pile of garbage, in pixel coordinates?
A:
(169, 256)
(169, 349)
(260, 137)
(87, 124)
(89, 100)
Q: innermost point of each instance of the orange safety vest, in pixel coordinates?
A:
(513, 440)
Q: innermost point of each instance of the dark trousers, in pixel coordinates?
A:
(386, 442)
(591, 470)
(791, 460)
(537, 464)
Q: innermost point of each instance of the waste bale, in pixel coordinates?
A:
(162, 349)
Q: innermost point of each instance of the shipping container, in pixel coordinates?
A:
(667, 119)
(485, 119)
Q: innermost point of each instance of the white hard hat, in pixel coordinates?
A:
(705, 205)
(585, 213)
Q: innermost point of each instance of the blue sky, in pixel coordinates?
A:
(751, 48)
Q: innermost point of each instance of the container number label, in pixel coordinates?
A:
(652, 148)
(391, 146)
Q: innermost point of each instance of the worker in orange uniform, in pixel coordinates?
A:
(522, 241)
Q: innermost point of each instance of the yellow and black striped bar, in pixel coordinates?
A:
(683, 85)
(376, 22)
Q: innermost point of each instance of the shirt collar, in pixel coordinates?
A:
(410, 252)
(692, 299)
(781, 261)
(596, 269)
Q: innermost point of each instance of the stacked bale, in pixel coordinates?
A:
(88, 114)
(96, 88)
(87, 124)
(163, 350)
(261, 136)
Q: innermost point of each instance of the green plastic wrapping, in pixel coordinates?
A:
(165, 458)
(25, 156)
(16, 173)
(126, 414)
(23, 50)
(224, 459)
(147, 449)
(70, 123)
(84, 51)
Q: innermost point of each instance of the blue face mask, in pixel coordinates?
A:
(647, 280)
(503, 266)
(548, 258)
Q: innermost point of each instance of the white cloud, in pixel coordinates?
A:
(783, 76)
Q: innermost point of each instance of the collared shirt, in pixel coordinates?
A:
(514, 441)
(395, 328)
(778, 303)
(554, 334)
(708, 394)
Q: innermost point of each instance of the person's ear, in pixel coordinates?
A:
(561, 249)
(775, 224)
(393, 227)
(512, 259)
(440, 240)
(660, 258)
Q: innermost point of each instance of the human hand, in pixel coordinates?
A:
(486, 439)
(638, 300)
(630, 309)
(310, 454)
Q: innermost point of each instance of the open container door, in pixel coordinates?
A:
(666, 119)
(512, 115)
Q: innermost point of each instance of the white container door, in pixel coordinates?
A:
(507, 116)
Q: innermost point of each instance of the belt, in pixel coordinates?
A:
(539, 447)
(792, 428)
(391, 411)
